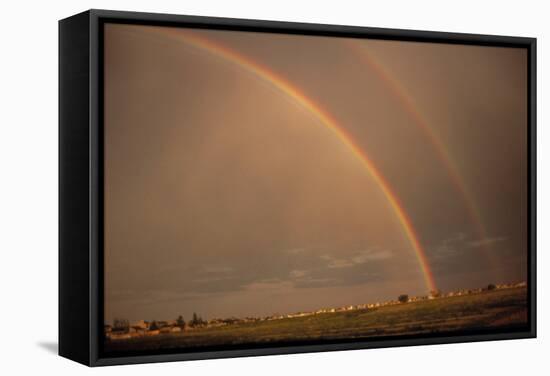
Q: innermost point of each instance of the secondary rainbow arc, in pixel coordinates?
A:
(397, 89)
(324, 117)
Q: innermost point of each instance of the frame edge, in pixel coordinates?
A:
(74, 276)
(95, 16)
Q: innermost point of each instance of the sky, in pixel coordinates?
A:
(249, 174)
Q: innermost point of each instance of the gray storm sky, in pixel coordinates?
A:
(225, 196)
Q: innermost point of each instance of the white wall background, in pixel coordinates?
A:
(28, 185)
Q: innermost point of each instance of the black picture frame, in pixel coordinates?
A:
(81, 180)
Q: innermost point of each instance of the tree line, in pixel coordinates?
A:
(123, 325)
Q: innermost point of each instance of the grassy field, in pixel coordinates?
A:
(498, 309)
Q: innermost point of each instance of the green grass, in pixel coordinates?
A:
(491, 309)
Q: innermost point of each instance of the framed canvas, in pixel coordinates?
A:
(238, 187)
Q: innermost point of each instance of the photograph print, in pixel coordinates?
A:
(268, 189)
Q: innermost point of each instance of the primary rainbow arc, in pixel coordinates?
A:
(324, 117)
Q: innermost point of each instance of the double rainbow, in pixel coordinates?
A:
(365, 56)
(322, 115)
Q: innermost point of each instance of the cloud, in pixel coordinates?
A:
(155, 296)
(358, 258)
(369, 255)
(295, 251)
(291, 268)
(298, 273)
(486, 241)
(444, 250)
(269, 285)
(449, 247)
(310, 282)
(337, 263)
(461, 255)
(209, 279)
(214, 273)
(461, 244)
(217, 269)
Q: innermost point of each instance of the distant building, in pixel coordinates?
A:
(141, 324)
(119, 335)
